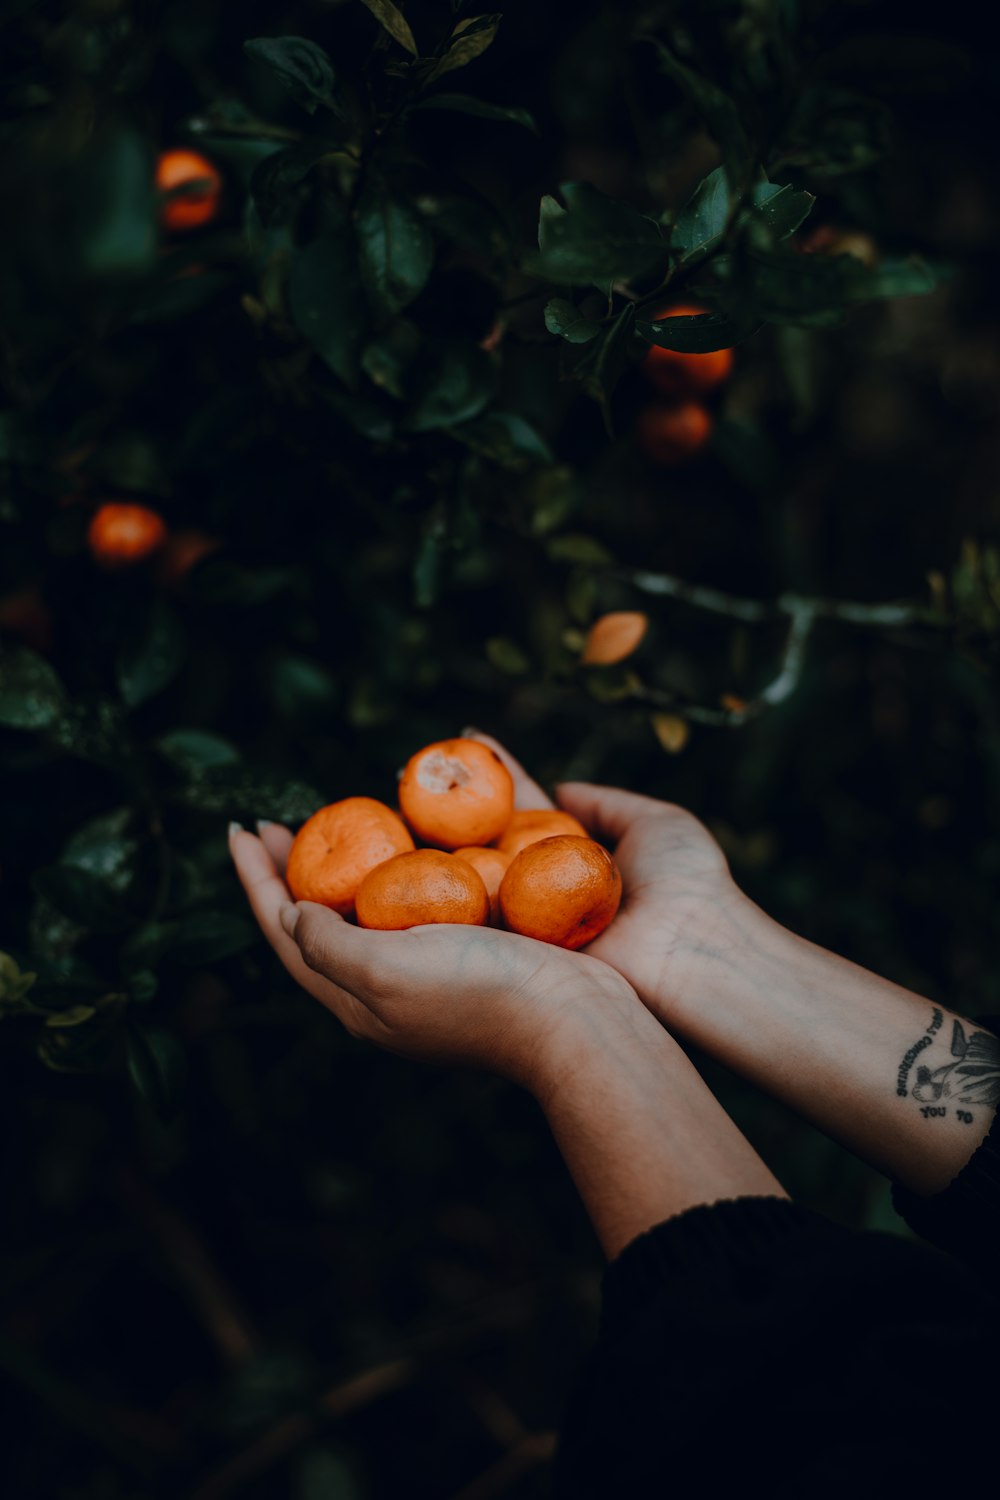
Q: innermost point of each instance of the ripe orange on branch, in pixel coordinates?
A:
(530, 824)
(677, 373)
(195, 188)
(563, 890)
(121, 533)
(338, 846)
(424, 886)
(669, 435)
(456, 792)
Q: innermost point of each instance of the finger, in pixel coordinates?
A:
(527, 793)
(606, 810)
(268, 896)
(277, 840)
(350, 957)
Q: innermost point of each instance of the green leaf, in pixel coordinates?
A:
(388, 360)
(594, 238)
(394, 22)
(815, 290)
(14, 984)
(699, 334)
(834, 131)
(396, 248)
(31, 695)
(157, 1067)
(194, 750)
(582, 551)
(105, 846)
(456, 381)
(303, 69)
(718, 111)
(468, 104)
(150, 657)
(505, 438)
(507, 656)
(783, 209)
(469, 40)
(74, 1016)
(205, 937)
(326, 299)
(300, 689)
(119, 230)
(562, 318)
(366, 417)
(275, 181)
(700, 224)
(429, 565)
(85, 898)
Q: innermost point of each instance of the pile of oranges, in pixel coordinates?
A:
(536, 872)
(675, 429)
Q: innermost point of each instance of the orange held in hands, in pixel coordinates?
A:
(455, 793)
(530, 824)
(195, 186)
(613, 637)
(563, 890)
(492, 867)
(677, 373)
(121, 533)
(670, 434)
(426, 885)
(338, 846)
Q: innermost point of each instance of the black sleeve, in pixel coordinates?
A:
(965, 1218)
(753, 1344)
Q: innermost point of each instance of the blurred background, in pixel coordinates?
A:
(381, 499)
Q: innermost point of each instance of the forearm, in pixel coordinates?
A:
(873, 1065)
(639, 1130)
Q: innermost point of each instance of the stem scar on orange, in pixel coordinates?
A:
(671, 434)
(563, 890)
(530, 824)
(194, 186)
(492, 867)
(338, 846)
(424, 886)
(455, 793)
(677, 373)
(121, 533)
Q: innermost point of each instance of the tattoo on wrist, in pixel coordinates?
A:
(971, 1077)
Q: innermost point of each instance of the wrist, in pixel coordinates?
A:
(713, 957)
(597, 1021)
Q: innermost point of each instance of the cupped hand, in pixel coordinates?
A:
(446, 993)
(679, 897)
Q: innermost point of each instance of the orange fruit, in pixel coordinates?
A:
(196, 186)
(670, 434)
(183, 551)
(613, 637)
(121, 533)
(530, 824)
(680, 374)
(338, 846)
(425, 885)
(456, 793)
(492, 866)
(563, 890)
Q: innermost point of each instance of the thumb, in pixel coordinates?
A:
(607, 811)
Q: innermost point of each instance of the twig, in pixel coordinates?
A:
(890, 615)
(536, 1449)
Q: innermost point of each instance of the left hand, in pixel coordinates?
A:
(444, 993)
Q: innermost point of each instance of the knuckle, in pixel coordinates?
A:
(309, 936)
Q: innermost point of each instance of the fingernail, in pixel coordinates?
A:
(470, 731)
(263, 823)
(288, 916)
(235, 828)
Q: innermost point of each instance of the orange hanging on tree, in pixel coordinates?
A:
(122, 533)
(677, 373)
(670, 435)
(193, 186)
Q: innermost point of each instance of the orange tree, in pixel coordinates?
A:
(326, 369)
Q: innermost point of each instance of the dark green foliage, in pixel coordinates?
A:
(395, 383)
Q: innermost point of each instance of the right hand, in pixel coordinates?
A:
(679, 897)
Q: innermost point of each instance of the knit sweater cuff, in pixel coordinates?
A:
(719, 1237)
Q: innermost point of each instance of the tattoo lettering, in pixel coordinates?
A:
(973, 1077)
(909, 1058)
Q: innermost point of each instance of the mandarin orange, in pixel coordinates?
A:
(455, 793)
(677, 373)
(338, 846)
(122, 533)
(530, 824)
(563, 890)
(423, 886)
(492, 866)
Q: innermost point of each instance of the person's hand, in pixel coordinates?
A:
(445, 993)
(679, 898)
